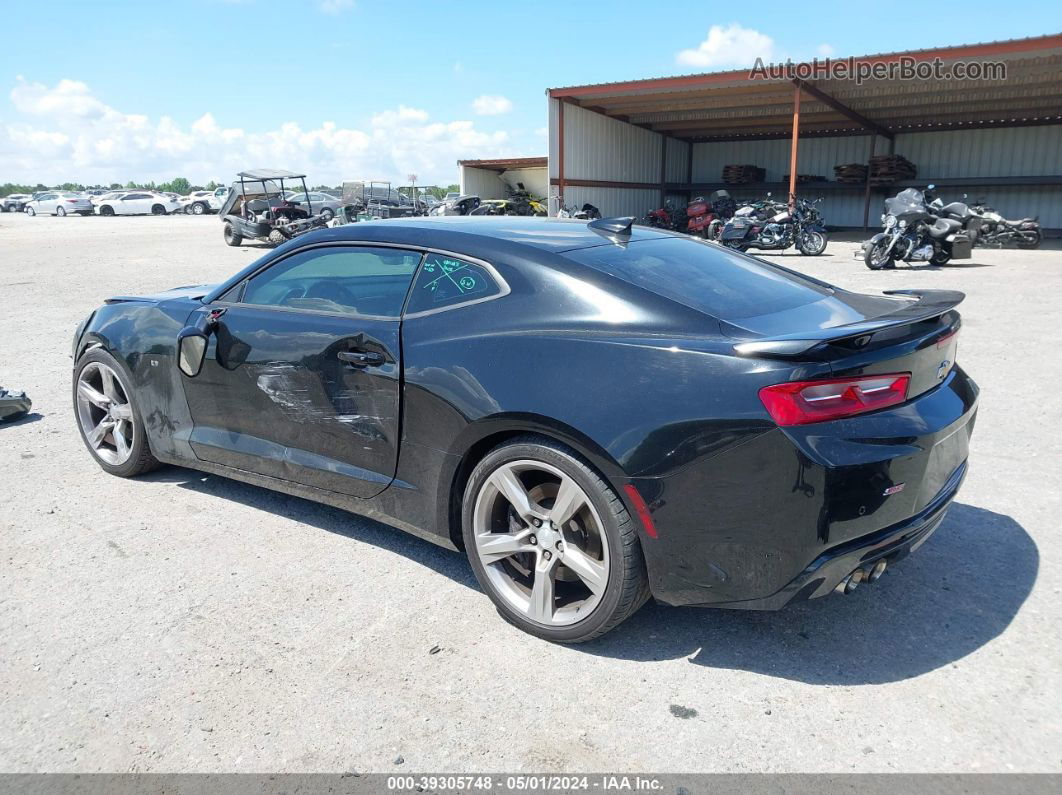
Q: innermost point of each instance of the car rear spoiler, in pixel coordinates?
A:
(927, 305)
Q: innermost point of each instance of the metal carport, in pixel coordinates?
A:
(627, 146)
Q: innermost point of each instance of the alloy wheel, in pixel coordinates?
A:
(541, 543)
(105, 414)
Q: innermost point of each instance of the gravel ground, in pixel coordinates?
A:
(181, 622)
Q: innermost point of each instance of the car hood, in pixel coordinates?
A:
(192, 291)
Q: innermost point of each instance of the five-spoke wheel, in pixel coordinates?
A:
(107, 416)
(551, 543)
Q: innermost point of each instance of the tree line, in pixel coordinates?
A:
(178, 185)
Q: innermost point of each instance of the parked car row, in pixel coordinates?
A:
(114, 202)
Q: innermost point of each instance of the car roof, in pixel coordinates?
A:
(547, 234)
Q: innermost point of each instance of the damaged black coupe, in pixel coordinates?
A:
(595, 413)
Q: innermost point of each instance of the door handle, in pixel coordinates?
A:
(361, 358)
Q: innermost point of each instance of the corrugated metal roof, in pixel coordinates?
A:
(1048, 41)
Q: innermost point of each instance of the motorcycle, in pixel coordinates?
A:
(462, 205)
(999, 231)
(706, 218)
(770, 225)
(667, 217)
(915, 232)
(961, 212)
(587, 212)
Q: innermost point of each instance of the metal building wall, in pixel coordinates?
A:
(999, 152)
(482, 182)
(817, 156)
(600, 148)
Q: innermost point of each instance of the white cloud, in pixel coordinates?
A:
(826, 51)
(65, 133)
(729, 46)
(491, 105)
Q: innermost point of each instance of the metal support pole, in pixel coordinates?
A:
(663, 168)
(560, 156)
(866, 195)
(793, 148)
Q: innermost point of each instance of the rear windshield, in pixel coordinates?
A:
(703, 276)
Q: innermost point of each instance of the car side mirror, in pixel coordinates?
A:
(191, 350)
(192, 342)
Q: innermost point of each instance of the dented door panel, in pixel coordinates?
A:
(274, 397)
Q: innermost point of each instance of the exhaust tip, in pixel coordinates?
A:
(877, 571)
(854, 580)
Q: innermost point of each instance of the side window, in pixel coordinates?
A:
(444, 281)
(352, 280)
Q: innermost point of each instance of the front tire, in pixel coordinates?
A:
(198, 208)
(327, 214)
(231, 235)
(158, 209)
(108, 418)
(875, 258)
(812, 243)
(30, 212)
(61, 212)
(551, 543)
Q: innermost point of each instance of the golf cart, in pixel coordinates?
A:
(255, 208)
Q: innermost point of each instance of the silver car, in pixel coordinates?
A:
(58, 202)
(321, 203)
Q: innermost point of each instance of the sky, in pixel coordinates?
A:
(111, 91)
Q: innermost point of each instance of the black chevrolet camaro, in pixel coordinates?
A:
(595, 413)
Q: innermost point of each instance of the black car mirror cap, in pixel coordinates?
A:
(191, 350)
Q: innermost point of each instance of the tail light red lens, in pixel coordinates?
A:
(803, 402)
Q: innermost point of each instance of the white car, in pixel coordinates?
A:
(198, 202)
(218, 199)
(138, 202)
(59, 202)
(112, 194)
(14, 202)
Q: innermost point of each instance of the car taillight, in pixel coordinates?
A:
(801, 402)
(72, 201)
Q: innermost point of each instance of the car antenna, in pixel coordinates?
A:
(618, 230)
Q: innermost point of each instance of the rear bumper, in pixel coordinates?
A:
(891, 544)
(785, 514)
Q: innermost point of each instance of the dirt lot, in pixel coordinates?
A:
(188, 623)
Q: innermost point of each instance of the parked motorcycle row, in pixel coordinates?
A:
(920, 227)
(767, 224)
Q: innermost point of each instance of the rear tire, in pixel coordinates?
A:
(1032, 241)
(327, 214)
(276, 237)
(940, 258)
(599, 533)
(158, 209)
(874, 256)
(107, 210)
(231, 235)
(736, 245)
